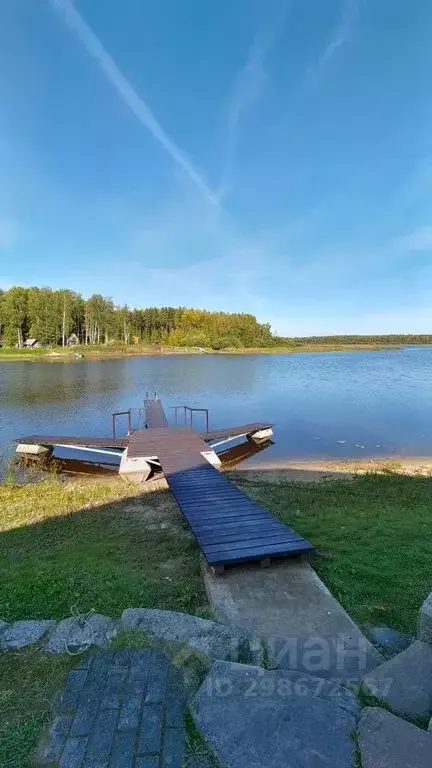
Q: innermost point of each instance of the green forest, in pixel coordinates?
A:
(52, 316)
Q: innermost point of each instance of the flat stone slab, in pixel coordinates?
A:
(405, 681)
(425, 621)
(345, 658)
(208, 637)
(23, 633)
(120, 709)
(253, 718)
(290, 606)
(387, 741)
(75, 636)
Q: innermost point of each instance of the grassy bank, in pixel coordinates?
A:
(373, 535)
(68, 547)
(59, 354)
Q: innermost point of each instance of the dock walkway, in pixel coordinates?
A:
(228, 526)
(155, 414)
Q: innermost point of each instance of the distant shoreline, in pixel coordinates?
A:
(89, 353)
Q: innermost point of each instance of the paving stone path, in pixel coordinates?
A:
(119, 709)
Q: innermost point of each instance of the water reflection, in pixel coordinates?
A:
(338, 406)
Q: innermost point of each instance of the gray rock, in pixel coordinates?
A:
(387, 741)
(405, 682)
(3, 625)
(430, 726)
(389, 639)
(75, 636)
(208, 637)
(23, 633)
(336, 657)
(425, 621)
(252, 717)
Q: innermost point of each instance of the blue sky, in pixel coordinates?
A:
(269, 156)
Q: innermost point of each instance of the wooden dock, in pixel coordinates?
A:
(229, 527)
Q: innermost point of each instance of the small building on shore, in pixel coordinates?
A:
(32, 344)
(72, 340)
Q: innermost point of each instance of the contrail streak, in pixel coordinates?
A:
(340, 37)
(250, 80)
(125, 90)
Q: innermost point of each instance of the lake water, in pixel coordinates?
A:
(329, 405)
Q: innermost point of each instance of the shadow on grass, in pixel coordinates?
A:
(63, 551)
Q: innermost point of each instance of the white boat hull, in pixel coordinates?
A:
(135, 470)
(262, 434)
(32, 450)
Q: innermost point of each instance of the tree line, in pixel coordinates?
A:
(387, 338)
(51, 316)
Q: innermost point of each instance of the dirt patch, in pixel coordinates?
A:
(278, 476)
(159, 512)
(319, 471)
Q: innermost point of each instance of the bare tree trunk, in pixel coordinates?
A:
(64, 325)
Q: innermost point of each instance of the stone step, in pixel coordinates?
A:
(387, 741)
(405, 681)
(252, 717)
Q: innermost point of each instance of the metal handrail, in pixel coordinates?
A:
(129, 413)
(121, 413)
(191, 410)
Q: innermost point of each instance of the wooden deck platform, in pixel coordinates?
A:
(78, 442)
(123, 442)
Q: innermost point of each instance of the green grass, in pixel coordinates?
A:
(374, 540)
(29, 684)
(68, 548)
(74, 546)
(367, 699)
(110, 351)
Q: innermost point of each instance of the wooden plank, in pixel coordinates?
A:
(223, 507)
(257, 553)
(246, 535)
(223, 516)
(262, 542)
(237, 527)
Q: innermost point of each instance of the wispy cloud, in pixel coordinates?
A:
(8, 232)
(340, 36)
(250, 81)
(417, 241)
(128, 94)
